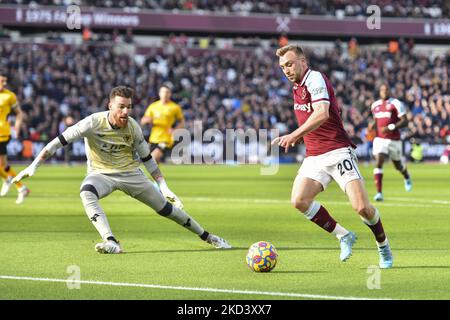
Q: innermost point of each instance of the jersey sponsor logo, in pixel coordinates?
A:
(380, 115)
(303, 107)
(111, 148)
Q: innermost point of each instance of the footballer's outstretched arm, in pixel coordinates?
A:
(75, 132)
(151, 166)
(45, 153)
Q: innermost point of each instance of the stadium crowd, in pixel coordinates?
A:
(244, 89)
(339, 8)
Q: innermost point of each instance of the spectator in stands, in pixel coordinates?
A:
(128, 38)
(87, 34)
(4, 33)
(283, 40)
(353, 49)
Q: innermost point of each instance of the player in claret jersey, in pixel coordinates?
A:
(329, 155)
(389, 116)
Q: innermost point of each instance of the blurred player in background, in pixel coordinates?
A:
(8, 103)
(329, 155)
(389, 116)
(162, 115)
(114, 144)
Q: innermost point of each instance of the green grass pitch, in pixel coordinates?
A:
(50, 232)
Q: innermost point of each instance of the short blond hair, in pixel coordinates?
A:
(290, 47)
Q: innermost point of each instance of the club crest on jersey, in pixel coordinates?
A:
(303, 93)
(127, 138)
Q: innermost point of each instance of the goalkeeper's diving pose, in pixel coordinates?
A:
(114, 147)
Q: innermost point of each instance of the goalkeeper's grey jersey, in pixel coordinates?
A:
(108, 149)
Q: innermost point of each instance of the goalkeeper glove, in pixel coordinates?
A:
(169, 195)
(25, 173)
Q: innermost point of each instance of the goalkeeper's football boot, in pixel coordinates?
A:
(347, 243)
(386, 258)
(218, 242)
(108, 246)
(23, 193)
(5, 186)
(408, 185)
(378, 197)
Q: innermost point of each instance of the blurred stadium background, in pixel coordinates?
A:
(219, 57)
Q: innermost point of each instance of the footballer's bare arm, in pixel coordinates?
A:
(320, 115)
(43, 155)
(19, 120)
(403, 122)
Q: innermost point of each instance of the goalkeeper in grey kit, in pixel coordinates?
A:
(114, 147)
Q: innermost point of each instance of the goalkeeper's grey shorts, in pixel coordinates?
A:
(135, 184)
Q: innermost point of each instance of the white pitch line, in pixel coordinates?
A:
(214, 290)
(431, 203)
(421, 200)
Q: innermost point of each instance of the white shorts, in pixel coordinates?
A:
(340, 165)
(393, 148)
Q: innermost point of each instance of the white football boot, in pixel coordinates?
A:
(218, 242)
(23, 193)
(108, 246)
(6, 186)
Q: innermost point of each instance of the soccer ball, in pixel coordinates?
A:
(262, 257)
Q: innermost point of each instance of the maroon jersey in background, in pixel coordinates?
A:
(331, 135)
(385, 113)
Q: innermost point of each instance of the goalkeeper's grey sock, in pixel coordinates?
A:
(96, 214)
(182, 218)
